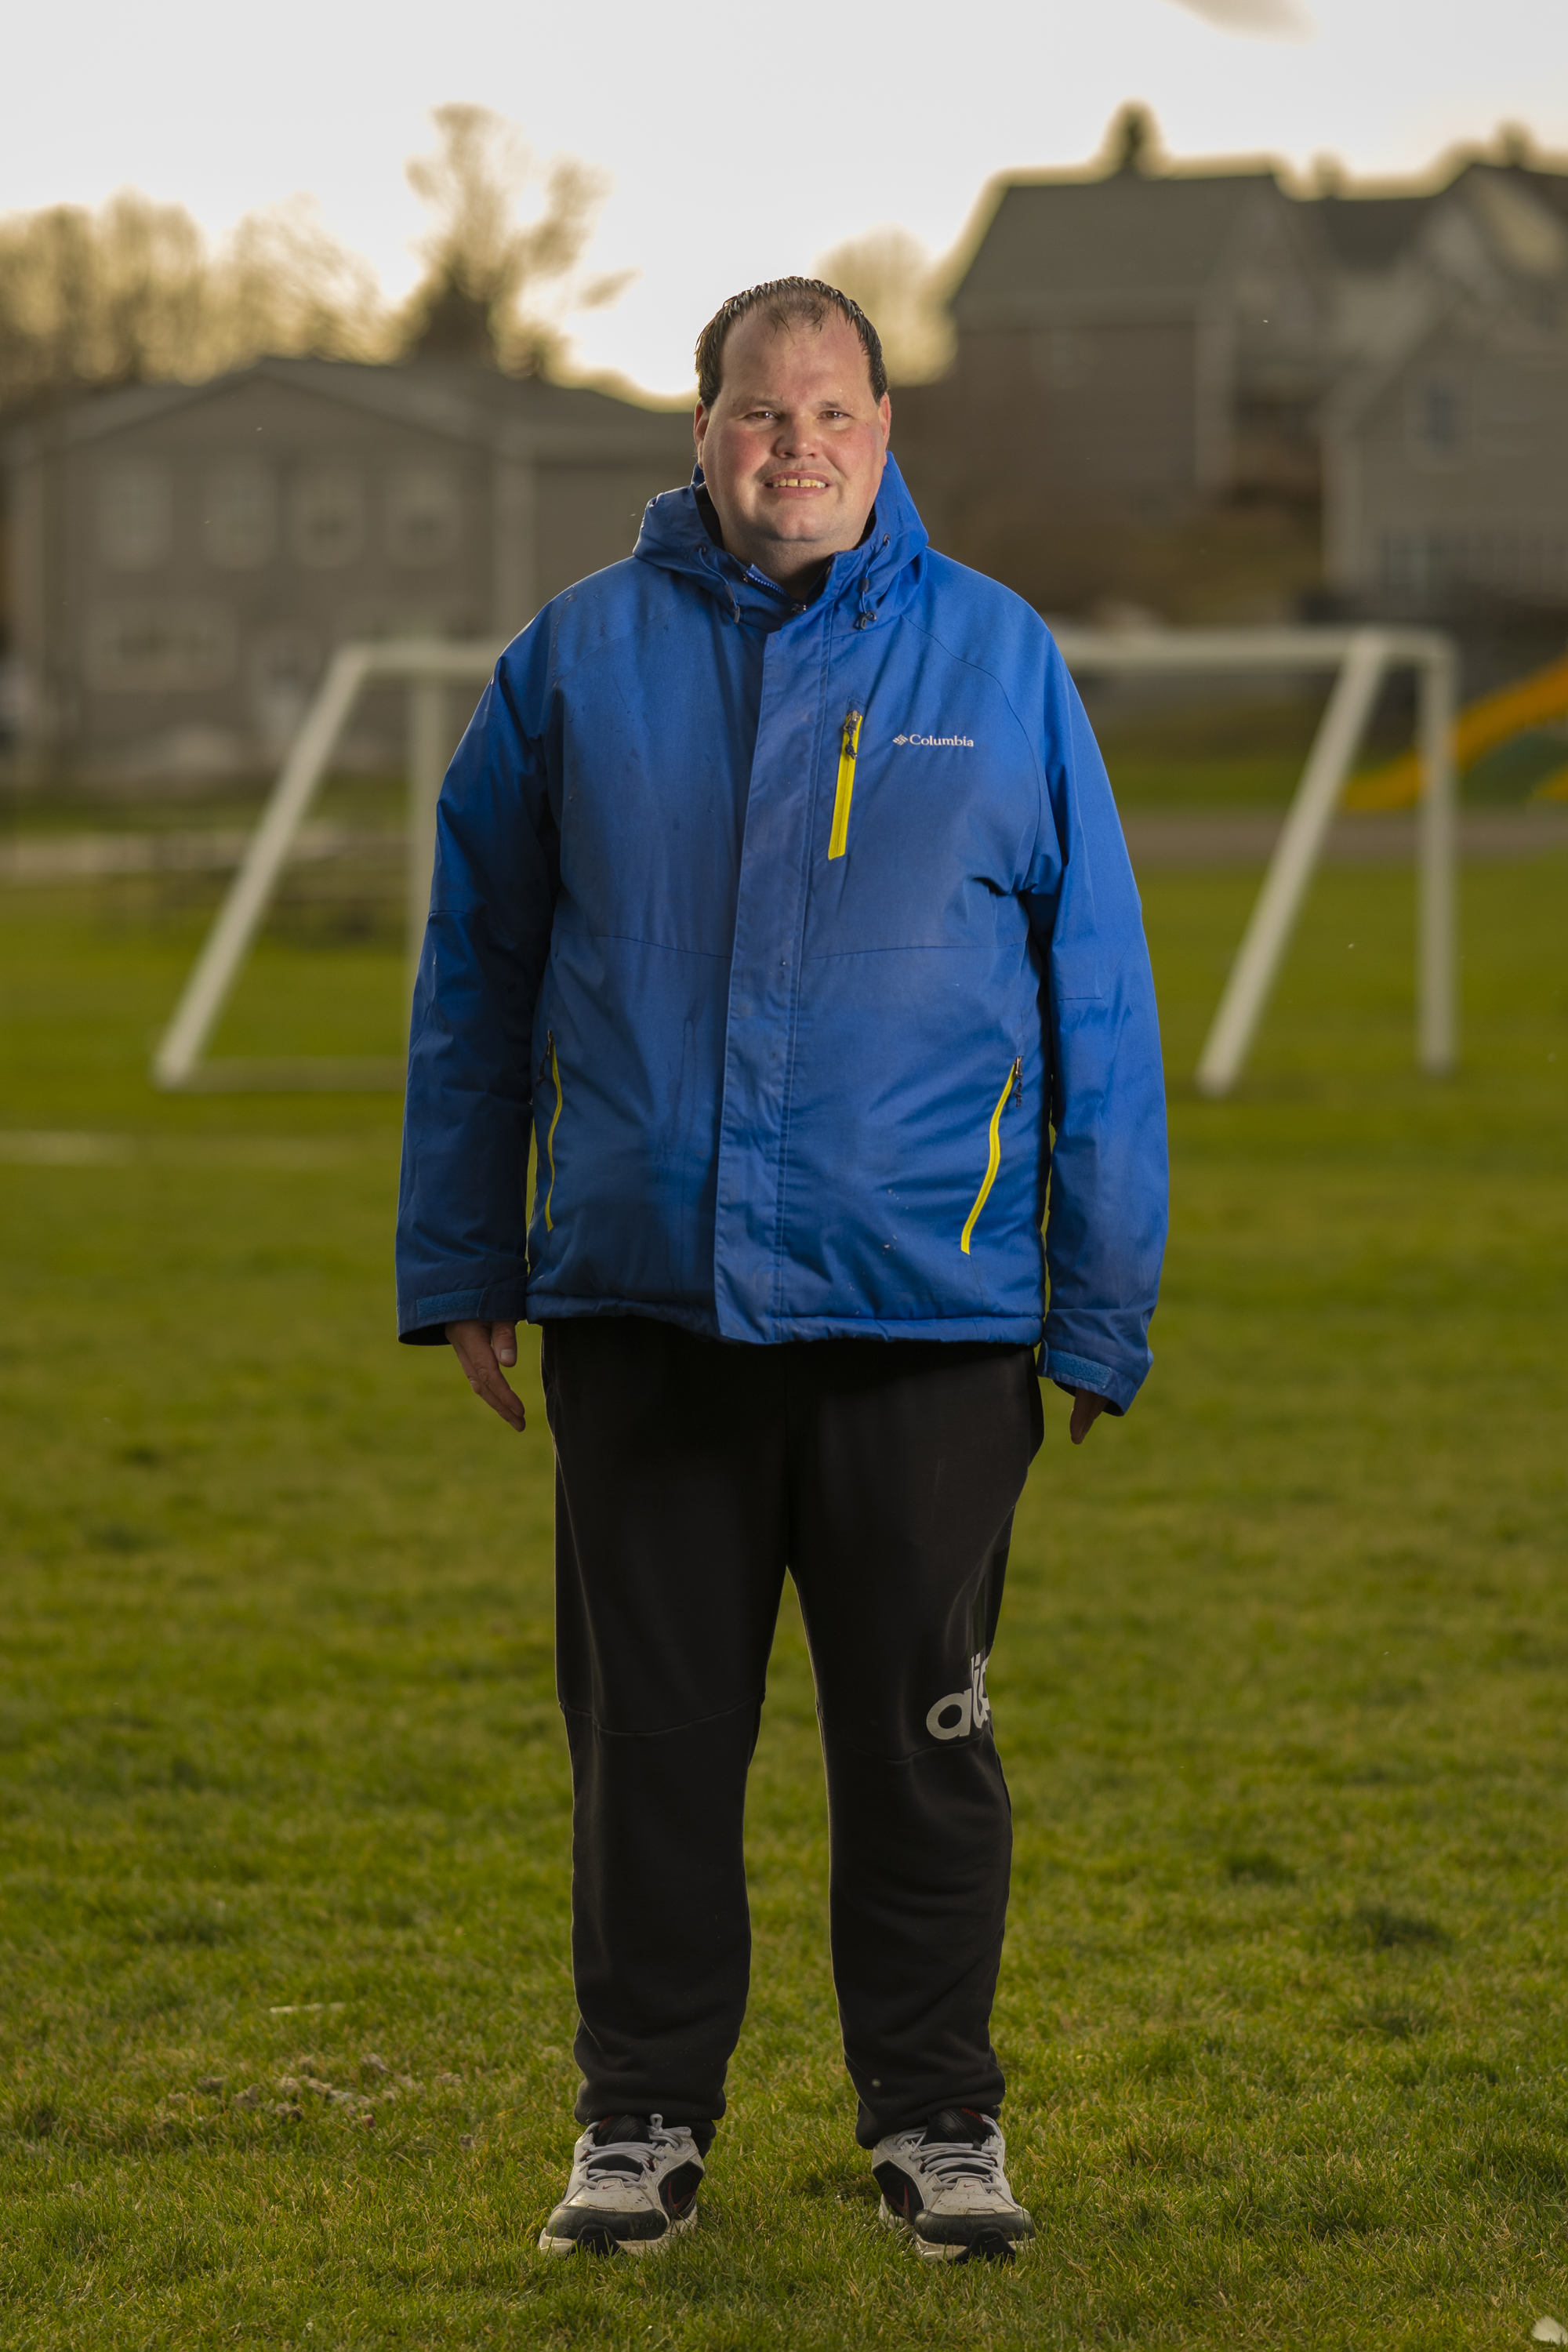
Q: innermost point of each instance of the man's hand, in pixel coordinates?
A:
(1087, 1408)
(481, 1349)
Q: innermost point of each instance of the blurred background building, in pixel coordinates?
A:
(1444, 430)
(185, 558)
(1208, 396)
(1190, 395)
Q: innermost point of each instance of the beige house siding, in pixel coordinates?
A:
(1450, 476)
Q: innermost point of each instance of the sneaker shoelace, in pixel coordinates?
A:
(949, 2161)
(634, 2152)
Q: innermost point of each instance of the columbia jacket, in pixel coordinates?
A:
(803, 938)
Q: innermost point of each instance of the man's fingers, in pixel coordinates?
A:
(486, 1381)
(472, 1344)
(500, 1397)
(1087, 1409)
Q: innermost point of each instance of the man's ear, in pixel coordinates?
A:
(699, 430)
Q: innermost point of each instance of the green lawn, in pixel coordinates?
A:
(283, 1792)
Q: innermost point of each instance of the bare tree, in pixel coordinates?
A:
(284, 284)
(495, 289)
(131, 294)
(891, 275)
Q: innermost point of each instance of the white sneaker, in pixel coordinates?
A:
(942, 2185)
(633, 2188)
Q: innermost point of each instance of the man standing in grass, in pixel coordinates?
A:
(780, 892)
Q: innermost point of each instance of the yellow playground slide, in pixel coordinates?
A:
(1534, 701)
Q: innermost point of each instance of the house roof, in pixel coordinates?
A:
(1550, 188)
(1130, 240)
(1489, 260)
(1518, 207)
(521, 417)
(1368, 233)
(1526, 237)
(1103, 241)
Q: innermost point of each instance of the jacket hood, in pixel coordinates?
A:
(877, 578)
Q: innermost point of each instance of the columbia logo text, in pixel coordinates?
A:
(938, 743)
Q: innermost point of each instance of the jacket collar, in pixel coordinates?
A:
(873, 580)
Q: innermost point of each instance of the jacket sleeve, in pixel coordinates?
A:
(462, 1208)
(1106, 1220)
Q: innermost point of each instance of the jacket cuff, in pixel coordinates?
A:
(1077, 1372)
(422, 1322)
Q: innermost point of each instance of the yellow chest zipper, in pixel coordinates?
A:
(994, 1160)
(848, 744)
(553, 1066)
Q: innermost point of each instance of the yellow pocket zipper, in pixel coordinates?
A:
(550, 1066)
(1014, 1082)
(848, 744)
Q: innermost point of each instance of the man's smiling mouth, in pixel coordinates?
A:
(796, 482)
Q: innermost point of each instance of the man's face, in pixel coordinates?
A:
(793, 446)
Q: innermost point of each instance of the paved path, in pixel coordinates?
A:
(1239, 837)
(32, 1147)
(215, 849)
(1246, 838)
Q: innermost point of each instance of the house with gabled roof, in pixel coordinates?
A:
(1446, 436)
(185, 558)
(1211, 392)
(1131, 350)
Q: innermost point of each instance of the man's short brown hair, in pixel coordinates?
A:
(783, 302)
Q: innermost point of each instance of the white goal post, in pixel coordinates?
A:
(428, 666)
(1361, 657)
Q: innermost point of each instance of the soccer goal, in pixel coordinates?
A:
(1362, 658)
(428, 667)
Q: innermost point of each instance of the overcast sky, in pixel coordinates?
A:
(740, 144)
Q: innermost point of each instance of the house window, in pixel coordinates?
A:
(327, 519)
(134, 516)
(423, 516)
(240, 517)
(1437, 420)
(154, 648)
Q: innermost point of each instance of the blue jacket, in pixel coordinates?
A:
(794, 931)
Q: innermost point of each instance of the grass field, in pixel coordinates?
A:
(1280, 1687)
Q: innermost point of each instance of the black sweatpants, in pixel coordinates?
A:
(689, 1474)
